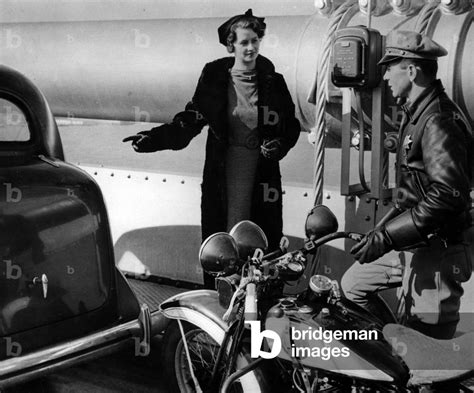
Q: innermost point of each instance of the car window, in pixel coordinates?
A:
(13, 124)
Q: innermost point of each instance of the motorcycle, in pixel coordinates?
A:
(316, 341)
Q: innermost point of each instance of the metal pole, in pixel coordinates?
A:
(369, 14)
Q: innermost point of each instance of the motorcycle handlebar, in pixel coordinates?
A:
(312, 245)
(251, 302)
(275, 254)
(337, 235)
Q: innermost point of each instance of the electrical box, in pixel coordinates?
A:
(355, 55)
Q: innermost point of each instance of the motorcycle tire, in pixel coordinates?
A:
(203, 351)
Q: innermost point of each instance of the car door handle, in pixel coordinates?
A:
(44, 282)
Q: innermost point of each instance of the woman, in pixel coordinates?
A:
(252, 126)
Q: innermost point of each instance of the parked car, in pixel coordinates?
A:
(62, 299)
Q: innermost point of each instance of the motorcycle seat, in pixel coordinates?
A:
(431, 360)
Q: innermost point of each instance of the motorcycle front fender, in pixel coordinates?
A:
(200, 308)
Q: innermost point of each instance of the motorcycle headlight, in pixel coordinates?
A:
(248, 237)
(219, 254)
(320, 222)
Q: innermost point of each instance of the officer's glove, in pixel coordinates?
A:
(272, 149)
(372, 246)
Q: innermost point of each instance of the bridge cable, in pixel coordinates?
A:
(340, 17)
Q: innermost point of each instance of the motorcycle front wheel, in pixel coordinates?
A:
(203, 350)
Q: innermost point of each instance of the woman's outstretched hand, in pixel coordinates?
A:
(139, 141)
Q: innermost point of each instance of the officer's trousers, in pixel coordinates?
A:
(430, 279)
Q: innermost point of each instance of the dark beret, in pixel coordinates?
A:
(410, 45)
(224, 29)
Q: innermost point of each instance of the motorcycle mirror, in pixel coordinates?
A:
(219, 254)
(284, 243)
(248, 237)
(258, 254)
(320, 222)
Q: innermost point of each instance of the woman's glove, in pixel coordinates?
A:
(372, 246)
(141, 142)
(271, 149)
(175, 135)
(159, 138)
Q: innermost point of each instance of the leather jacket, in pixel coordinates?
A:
(434, 171)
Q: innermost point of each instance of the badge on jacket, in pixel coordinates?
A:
(407, 142)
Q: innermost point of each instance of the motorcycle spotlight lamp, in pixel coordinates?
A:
(219, 254)
(406, 7)
(249, 237)
(455, 7)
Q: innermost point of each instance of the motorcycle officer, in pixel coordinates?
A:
(433, 178)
